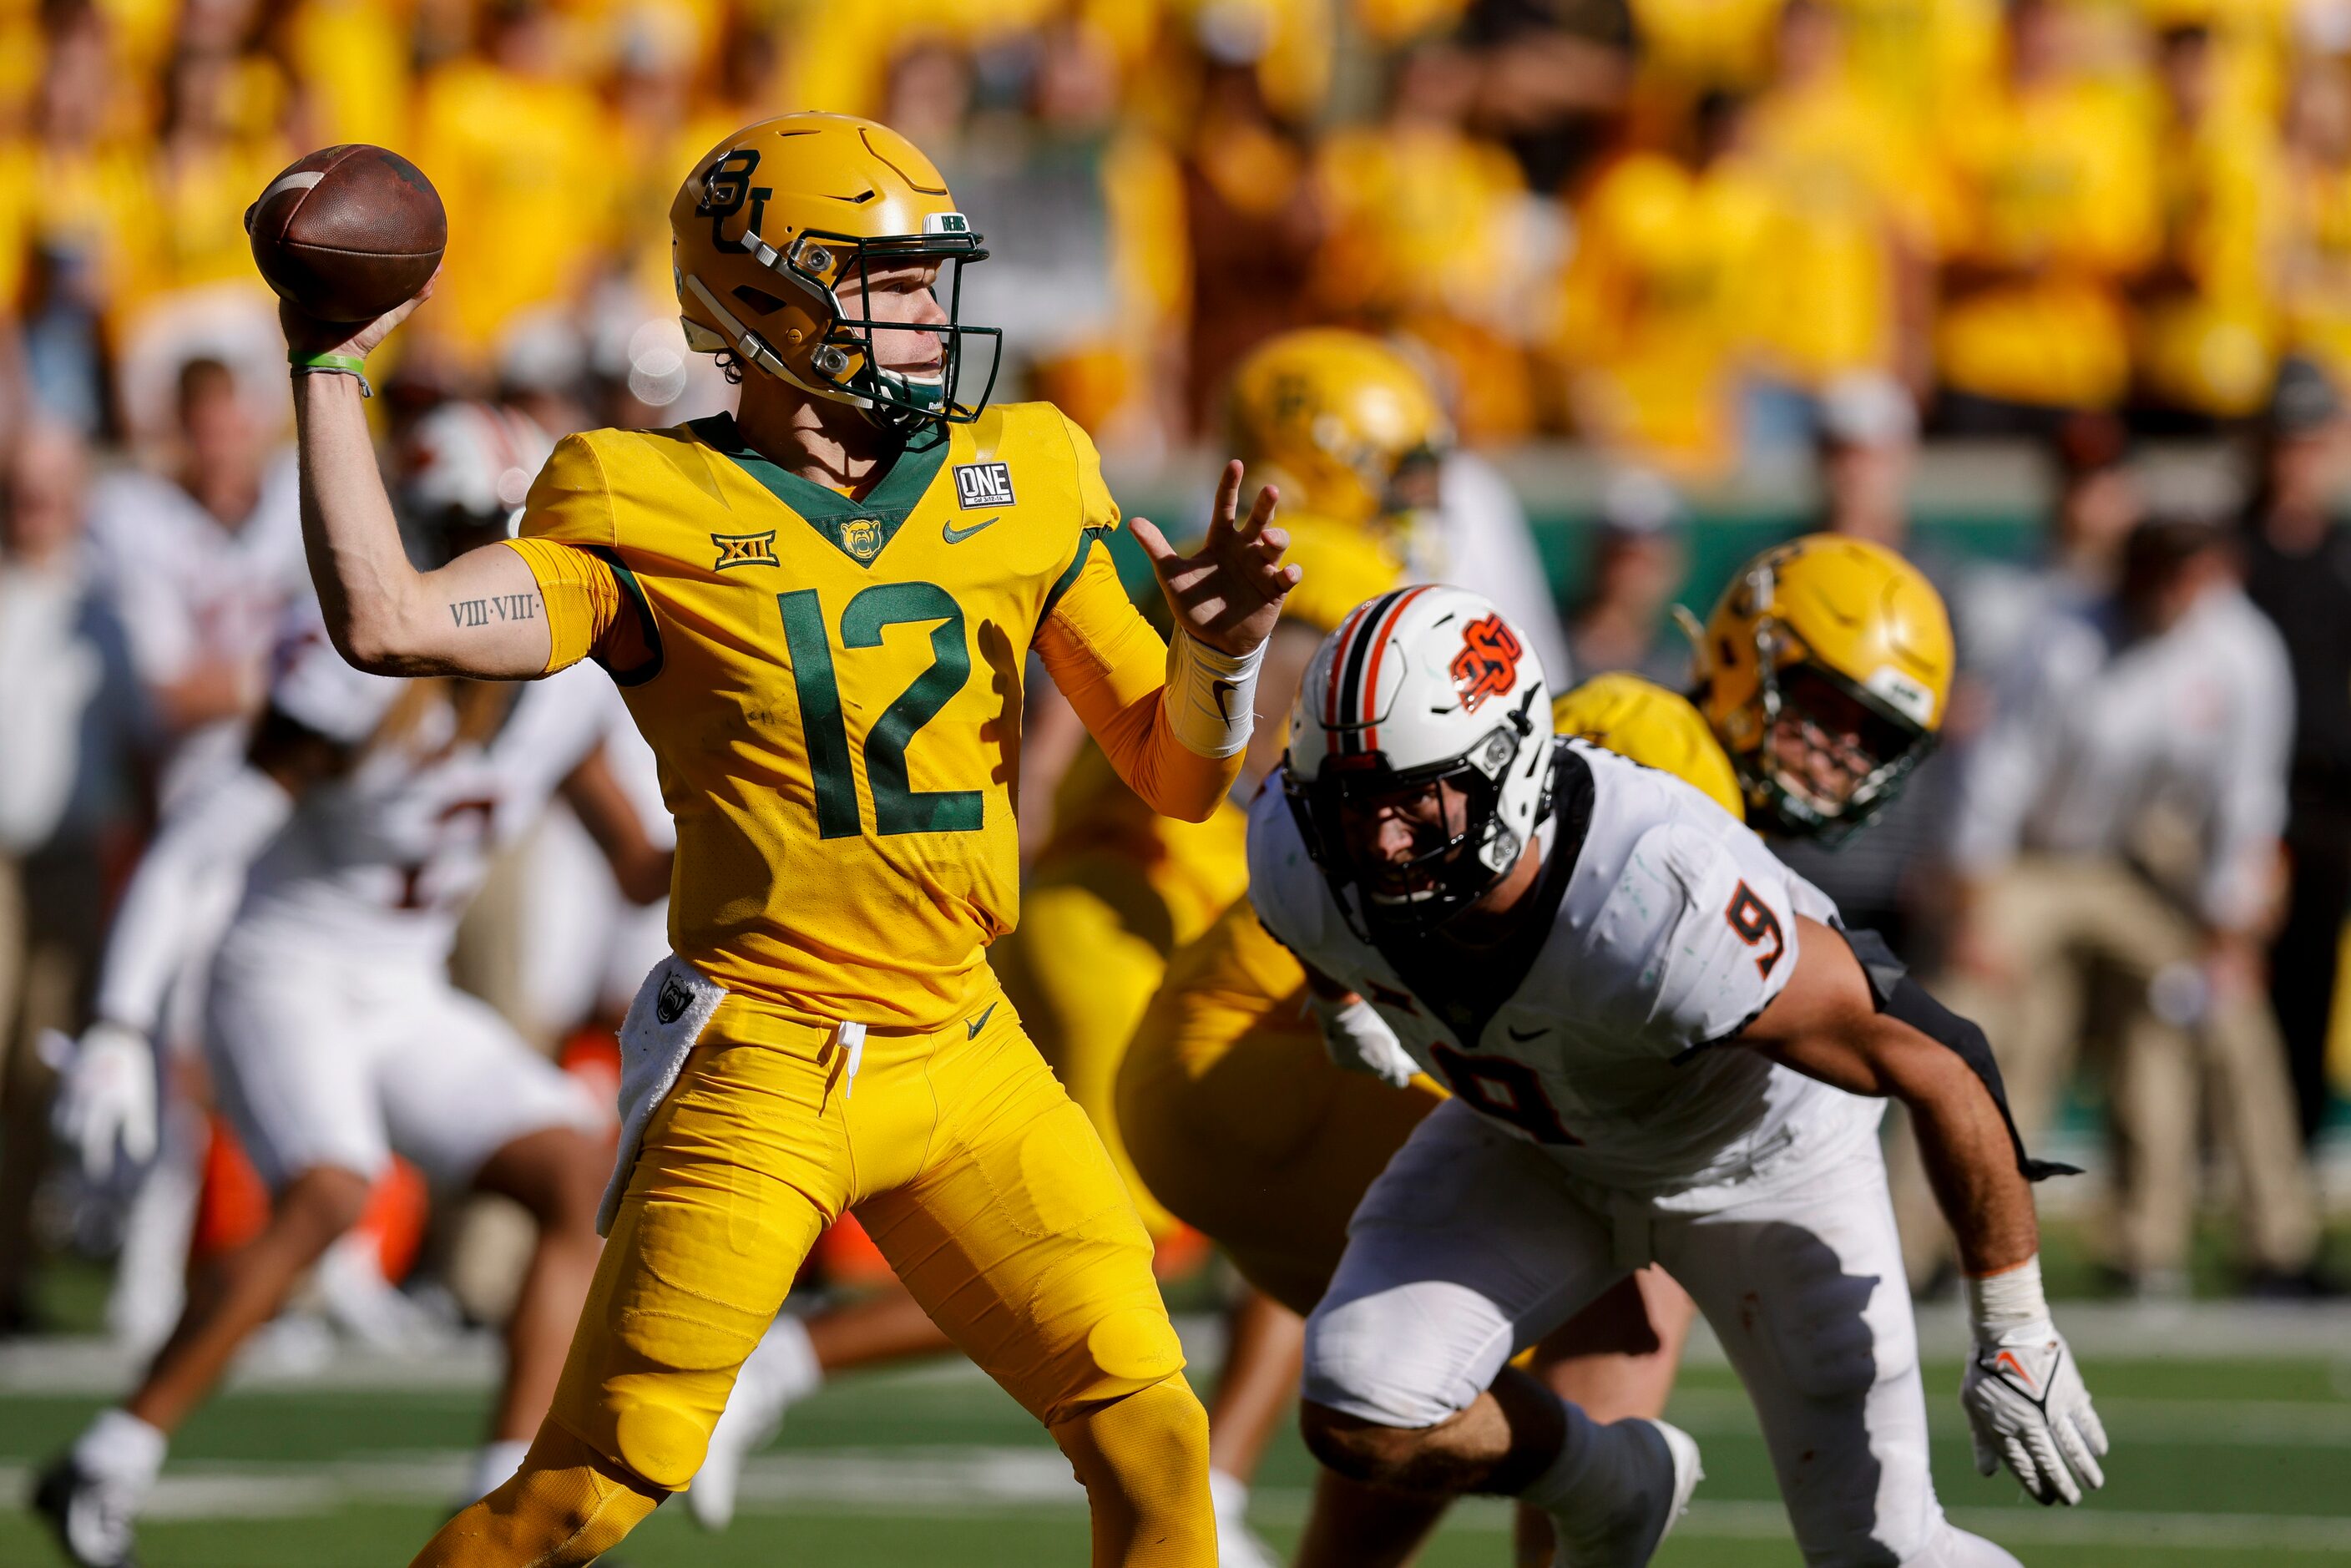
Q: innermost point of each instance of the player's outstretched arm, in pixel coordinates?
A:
(1175, 720)
(2022, 1392)
(1825, 1024)
(479, 615)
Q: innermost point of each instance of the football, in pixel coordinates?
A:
(347, 232)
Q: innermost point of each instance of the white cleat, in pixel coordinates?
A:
(781, 1371)
(1629, 1534)
(91, 1515)
(1238, 1545)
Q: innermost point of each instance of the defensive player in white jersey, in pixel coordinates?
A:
(1662, 1049)
(361, 822)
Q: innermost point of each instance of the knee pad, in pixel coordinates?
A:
(1409, 1356)
(567, 1506)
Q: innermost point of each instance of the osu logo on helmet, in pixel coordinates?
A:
(1488, 664)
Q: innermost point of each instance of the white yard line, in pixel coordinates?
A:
(2217, 1330)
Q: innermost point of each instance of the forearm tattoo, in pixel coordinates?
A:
(467, 613)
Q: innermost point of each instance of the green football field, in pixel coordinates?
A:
(2218, 1462)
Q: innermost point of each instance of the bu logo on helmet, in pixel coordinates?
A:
(725, 189)
(1488, 664)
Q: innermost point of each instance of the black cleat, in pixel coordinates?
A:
(91, 1518)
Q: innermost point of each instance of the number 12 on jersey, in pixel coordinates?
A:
(897, 806)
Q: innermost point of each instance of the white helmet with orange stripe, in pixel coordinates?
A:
(1425, 712)
(467, 466)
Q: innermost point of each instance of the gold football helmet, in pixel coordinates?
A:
(1654, 728)
(774, 219)
(1824, 671)
(1337, 417)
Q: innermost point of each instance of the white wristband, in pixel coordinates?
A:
(1211, 696)
(2009, 1301)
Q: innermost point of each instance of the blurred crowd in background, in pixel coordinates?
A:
(1667, 227)
(1696, 240)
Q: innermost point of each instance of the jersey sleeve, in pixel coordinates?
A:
(1696, 938)
(1113, 667)
(566, 537)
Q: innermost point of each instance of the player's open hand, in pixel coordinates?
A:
(2027, 1409)
(1229, 593)
(305, 334)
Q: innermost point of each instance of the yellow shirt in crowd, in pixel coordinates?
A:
(2055, 190)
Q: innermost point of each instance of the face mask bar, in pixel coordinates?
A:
(1465, 864)
(1789, 804)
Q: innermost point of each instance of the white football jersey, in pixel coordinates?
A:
(386, 857)
(1673, 927)
(189, 590)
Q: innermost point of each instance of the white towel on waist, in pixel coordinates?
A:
(671, 1010)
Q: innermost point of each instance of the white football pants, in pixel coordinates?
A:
(1473, 1245)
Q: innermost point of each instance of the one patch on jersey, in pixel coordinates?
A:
(744, 550)
(983, 485)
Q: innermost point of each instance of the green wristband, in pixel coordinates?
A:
(350, 365)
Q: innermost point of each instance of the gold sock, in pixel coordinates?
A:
(567, 1505)
(1144, 1463)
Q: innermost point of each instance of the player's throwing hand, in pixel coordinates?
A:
(1229, 593)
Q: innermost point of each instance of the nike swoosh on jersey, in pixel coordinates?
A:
(1530, 1034)
(956, 536)
(971, 1029)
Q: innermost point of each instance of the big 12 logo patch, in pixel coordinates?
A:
(1488, 664)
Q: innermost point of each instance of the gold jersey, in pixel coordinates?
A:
(834, 688)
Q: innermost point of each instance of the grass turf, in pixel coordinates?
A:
(2217, 1463)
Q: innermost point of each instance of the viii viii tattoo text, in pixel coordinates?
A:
(488, 611)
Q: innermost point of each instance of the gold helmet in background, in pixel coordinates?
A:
(1824, 671)
(1654, 728)
(1337, 416)
(776, 218)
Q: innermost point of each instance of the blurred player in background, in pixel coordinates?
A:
(360, 826)
(828, 1033)
(1244, 1127)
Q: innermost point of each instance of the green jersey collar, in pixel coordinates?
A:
(858, 528)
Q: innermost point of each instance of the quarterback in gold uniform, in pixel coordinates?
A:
(1821, 653)
(819, 612)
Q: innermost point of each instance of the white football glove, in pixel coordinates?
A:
(1358, 1040)
(2027, 1407)
(105, 1108)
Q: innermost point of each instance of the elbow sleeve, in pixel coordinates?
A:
(1903, 998)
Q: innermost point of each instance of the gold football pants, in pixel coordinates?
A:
(984, 1186)
(1092, 949)
(1238, 1121)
